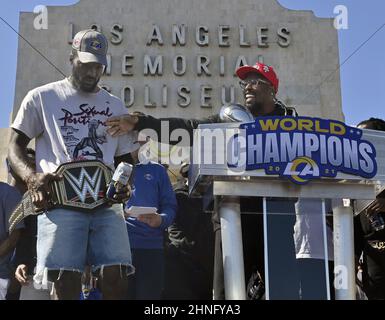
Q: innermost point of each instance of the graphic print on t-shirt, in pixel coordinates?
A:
(84, 131)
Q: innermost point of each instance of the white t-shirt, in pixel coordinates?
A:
(69, 125)
(308, 230)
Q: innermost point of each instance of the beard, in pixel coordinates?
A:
(88, 87)
(255, 105)
(86, 84)
(257, 102)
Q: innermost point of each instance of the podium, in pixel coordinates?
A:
(211, 176)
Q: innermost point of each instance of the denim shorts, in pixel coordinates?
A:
(70, 240)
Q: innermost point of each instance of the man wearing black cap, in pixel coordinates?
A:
(260, 85)
(59, 116)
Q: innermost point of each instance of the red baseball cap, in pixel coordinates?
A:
(263, 69)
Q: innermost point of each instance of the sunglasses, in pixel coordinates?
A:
(254, 83)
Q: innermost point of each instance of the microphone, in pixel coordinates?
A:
(120, 179)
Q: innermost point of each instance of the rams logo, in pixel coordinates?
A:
(148, 176)
(95, 45)
(301, 169)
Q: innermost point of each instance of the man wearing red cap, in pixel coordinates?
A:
(259, 84)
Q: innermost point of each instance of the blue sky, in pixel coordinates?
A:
(362, 76)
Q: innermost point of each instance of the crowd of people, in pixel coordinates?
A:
(173, 250)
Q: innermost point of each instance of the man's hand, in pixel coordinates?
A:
(377, 206)
(122, 195)
(154, 220)
(121, 125)
(21, 274)
(38, 185)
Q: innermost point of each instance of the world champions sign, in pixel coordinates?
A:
(301, 149)
(178, 58)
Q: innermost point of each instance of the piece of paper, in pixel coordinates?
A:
(135, 211)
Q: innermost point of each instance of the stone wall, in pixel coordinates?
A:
(178, 57)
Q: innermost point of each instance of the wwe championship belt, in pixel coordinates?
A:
(83, 188)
